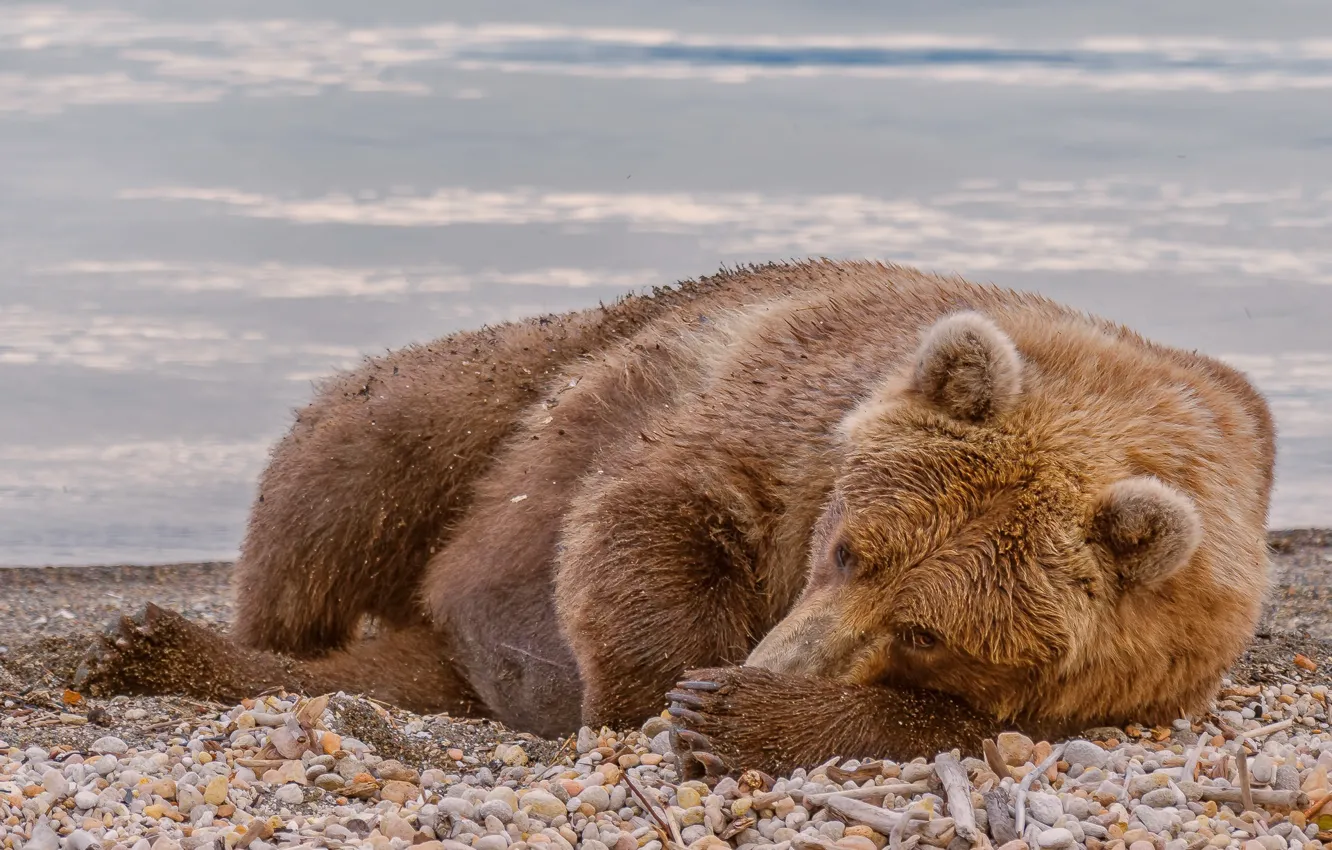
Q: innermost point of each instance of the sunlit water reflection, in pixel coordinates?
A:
(202, 210)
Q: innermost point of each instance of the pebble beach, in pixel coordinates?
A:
(339, 770)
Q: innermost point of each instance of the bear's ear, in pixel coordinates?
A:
(967, 367)
(1148, 528)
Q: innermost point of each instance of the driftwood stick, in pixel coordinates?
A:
(1001, 821)
(663, 819)
(1266, 797)
(872, 793)
(1263, 731)
(895, 837)
(957, 787)
(994, 760)
(1318, 804)
(1246, 790)
(1025, 784)
(1186, 772)
(880, 820)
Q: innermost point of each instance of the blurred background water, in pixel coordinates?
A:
(205, 206)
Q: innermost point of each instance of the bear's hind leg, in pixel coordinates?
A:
(160, 652)
(363, 489)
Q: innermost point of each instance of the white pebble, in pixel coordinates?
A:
(1053, 839)
(43, 838)
(81, 840)
(110, 744)
(54, 781)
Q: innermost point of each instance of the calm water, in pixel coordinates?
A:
(205, 206)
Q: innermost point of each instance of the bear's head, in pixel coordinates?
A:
(986, 520)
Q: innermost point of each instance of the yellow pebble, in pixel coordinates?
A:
(215, 793)
(865, 832)
(687, 797)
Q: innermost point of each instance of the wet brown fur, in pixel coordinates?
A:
(554, 519)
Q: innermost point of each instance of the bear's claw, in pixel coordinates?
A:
(691, 705)
(121, 637)
(132, 653)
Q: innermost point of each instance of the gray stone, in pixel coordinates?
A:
(456, 807)
(187, 797)
(654, 726)
(110, 744)
(916, 772)
(1287, 778)
(1043, 807)
(497, 809)
(104, 765)
(85, 800)
(491, 842)
(597, 796)
(329, 781)
(1077, 807)
(1094, 830)
(832, 830)
(1151, 819)
(290, 794)
(587, 740)
(349, 767)
(1085, 753)
(1164, 797)
(1262, 769)
(661, 743)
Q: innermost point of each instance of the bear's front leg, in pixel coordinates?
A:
(740, 718)
(659, 574)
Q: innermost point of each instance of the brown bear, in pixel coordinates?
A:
(864, 509)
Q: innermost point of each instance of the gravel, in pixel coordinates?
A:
(216, 780)
(178, 774)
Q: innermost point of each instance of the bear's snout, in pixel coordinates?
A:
(807, 642)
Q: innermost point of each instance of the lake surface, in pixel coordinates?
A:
(204, 207)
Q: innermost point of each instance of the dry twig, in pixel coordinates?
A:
(880, 820)
(1021, 821)
(1242, 769)
(995, 761)
(957, 787)
(1001, 821)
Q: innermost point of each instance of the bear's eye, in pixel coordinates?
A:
(846, 559)
(918, 638)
